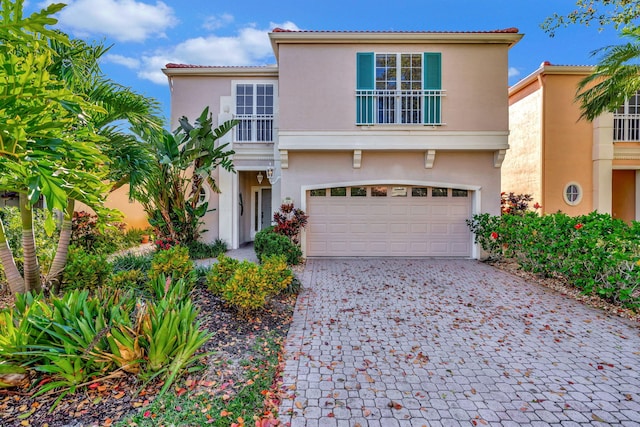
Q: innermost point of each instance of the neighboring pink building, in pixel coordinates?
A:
(388, 140)
(569, 164)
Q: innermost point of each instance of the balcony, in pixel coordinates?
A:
(421, 107)
(626, 127)
(253, 128)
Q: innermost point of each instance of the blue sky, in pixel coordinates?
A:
(147, 34)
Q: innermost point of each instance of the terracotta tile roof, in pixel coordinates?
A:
(511, 30)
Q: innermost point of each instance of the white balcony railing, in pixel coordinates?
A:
(254, 128)
(626, 127)
(399, 107)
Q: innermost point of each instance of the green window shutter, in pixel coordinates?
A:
(432, 80)
(365, 80)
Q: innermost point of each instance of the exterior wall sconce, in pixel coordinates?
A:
(270, 177)
(260, 177)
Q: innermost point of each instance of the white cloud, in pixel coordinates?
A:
(122, 20)
(217, 21)
(251, 46)
(513, 72)
(131, 63)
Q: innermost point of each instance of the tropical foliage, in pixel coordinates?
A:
(186, 160)
(615, 79)
(618, 13)
(248, 286)
(58, 108)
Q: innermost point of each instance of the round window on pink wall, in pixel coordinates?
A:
(572, 193)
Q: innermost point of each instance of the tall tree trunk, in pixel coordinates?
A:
(60, 259)
(32, 280)
(14, 278)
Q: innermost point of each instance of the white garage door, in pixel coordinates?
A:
(388, 221)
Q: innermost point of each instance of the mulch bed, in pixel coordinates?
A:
(109, 401)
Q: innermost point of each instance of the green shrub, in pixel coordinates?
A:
(76, 338)
(221, 273)
(248, 286)
(277, 276)
(127, 279)
(164, 287)
(268, 243)
(132, 262)
(201, 250)
(87, 234)
(84, 270)
(173, 262)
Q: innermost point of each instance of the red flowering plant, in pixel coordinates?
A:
(514, 204)
(165, 243)
(289, 221)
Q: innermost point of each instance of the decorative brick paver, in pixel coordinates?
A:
(422, 342)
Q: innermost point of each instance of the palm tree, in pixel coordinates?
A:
(122, 114)
(614, 80)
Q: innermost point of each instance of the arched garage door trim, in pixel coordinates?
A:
(476, 196)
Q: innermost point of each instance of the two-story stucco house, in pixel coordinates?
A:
(388, 140)
(570, 164)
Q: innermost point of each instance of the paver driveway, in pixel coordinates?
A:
(379, 342)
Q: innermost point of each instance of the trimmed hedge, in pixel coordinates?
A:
(268, 243)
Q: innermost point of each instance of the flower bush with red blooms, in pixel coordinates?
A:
(289, 221)
(165, 243)
(594, 252)
(515, 204)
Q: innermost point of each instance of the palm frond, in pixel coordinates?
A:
(615, 79)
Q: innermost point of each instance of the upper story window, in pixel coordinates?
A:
(255, 105)
(398, 88)
(626, 120)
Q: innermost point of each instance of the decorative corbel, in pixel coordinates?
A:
(357, 159)
(498, 158)
(284, 159)
(429, 158)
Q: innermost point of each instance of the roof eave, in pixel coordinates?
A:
(270, 71)
(550, 70)
(294, 37)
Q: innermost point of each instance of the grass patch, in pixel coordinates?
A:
(213, 404)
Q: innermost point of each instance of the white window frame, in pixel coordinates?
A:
(400, 95)
(626, 124)
(204, 196)
(255, 117)
(565, 194)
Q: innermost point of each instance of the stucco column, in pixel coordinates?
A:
(228, 224)
(602, 156)
(228, 221)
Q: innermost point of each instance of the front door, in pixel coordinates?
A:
(260, 209)
(623, 197)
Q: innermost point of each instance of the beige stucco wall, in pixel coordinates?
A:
(134, 214)
(522, 166)
(318, 84)
(464, 169)
(567, 146)
(190, 94)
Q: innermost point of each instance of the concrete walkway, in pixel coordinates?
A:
(420, 342)
(246, 252)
